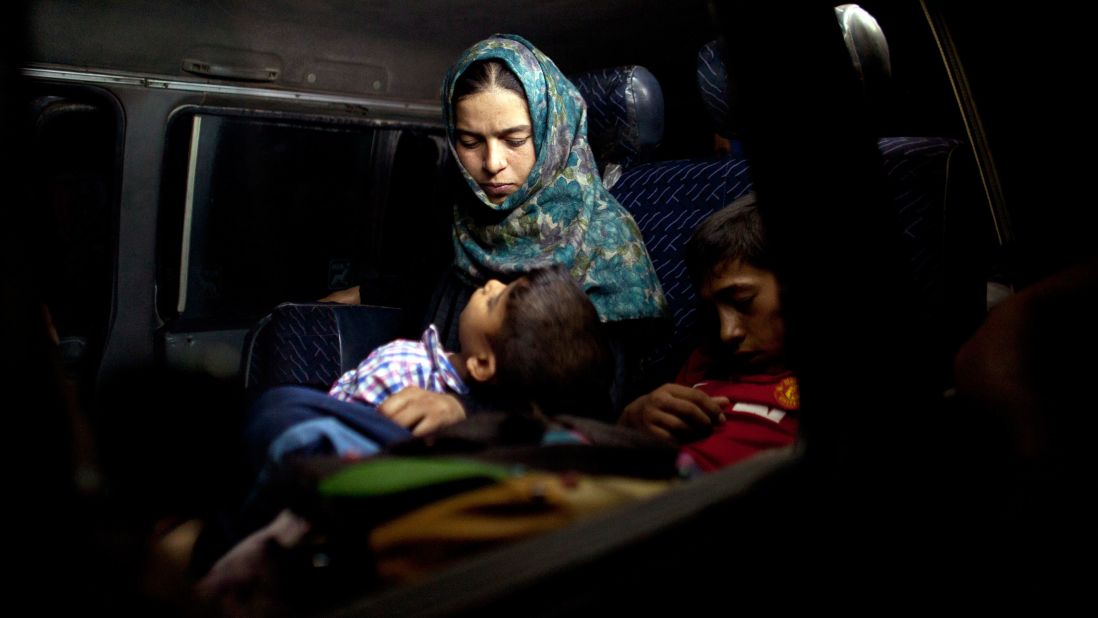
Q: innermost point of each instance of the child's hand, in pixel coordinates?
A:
(674, 412)
(422, 411)
(350, 296)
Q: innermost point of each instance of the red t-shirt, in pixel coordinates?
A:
(762, 414)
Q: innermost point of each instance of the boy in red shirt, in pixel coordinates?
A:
(735, 396)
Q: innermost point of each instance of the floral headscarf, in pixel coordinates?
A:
(562, 213)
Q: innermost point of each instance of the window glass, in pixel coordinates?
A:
(262, 211)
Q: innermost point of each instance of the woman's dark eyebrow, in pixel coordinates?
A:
(522, 128)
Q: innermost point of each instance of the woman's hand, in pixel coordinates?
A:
(350, 296)
(674, 412)
(422, 411)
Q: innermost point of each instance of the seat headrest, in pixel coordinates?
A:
(864, 40)
(624, 113)
(867, 45)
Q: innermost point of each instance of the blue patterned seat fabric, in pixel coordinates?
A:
(713, 86)
(624, 113)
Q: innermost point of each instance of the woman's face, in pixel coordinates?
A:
(495, 141)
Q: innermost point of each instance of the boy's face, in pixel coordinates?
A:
(746, 301)
(483, 317)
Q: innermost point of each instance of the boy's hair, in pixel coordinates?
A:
(733, 233)
(550, 350)
(485, 75)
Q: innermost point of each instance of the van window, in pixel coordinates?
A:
(261, 208)
(259, 211)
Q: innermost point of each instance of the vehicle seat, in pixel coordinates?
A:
(312, 344)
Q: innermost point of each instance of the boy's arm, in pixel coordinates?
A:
(674, 412)
(422, 411)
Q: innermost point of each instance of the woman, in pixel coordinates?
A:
(519, 129)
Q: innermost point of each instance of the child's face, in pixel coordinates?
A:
(483, 317)
(746, 301)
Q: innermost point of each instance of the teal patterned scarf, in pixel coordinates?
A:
(562, 213)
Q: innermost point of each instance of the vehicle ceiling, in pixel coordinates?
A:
(412, 40)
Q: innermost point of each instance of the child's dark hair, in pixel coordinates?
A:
(485, 75)
(733, 233)
(550, 350)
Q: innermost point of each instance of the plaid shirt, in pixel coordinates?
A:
(396, 365)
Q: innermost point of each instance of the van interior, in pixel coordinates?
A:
(183, 178)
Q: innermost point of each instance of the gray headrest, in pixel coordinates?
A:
(624, 113)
